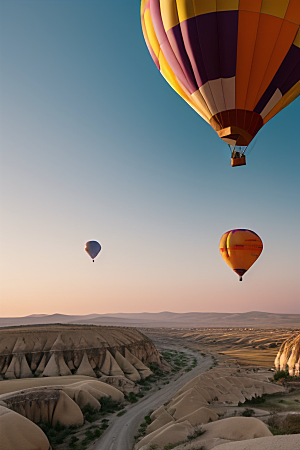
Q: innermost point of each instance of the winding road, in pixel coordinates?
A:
(120, 434)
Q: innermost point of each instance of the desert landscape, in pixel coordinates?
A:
(149, 235)
(69, 386)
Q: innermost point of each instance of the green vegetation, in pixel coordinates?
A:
(179, 360)
(56, 434)
(59, 434)
(143, 426)
(108, 406)
(131, 398)
(121, 413)
(284, 374)
(290, 424)
(154, 367)
(248, 413)
(198, 432)
(90, 435)
(255, 400)
(280, 402)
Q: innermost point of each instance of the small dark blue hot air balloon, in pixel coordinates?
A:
(92, 248)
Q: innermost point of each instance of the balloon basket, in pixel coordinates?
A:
(238, 161)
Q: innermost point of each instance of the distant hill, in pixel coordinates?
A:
(255, 319)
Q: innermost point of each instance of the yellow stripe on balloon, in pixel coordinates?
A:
(275, 8)
(297, 38)
(151, 33)
(168, 10)
(169, 76)
(288, 98)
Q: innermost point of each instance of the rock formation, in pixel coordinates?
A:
(288, 356)
(62, 350)
(59, 404)
(17, 432)
(200, 401)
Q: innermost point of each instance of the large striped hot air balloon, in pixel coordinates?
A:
(240, 249)
(236, 62)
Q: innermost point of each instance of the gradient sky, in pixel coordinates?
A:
(95, 145)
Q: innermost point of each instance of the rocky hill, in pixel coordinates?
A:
(288, 356)
(62, 350)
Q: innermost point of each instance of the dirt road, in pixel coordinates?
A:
(120, 434)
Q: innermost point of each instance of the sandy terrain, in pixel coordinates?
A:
(244, 345)
(200, 351)
(120, 435)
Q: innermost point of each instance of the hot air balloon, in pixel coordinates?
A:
(235, 62)
(92, 248)
(240, 249)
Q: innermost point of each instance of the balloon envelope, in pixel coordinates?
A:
(92, 248)
(240, 249)
(235, 62)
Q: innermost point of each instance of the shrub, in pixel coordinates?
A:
(131, 398)
(256, 400)
(291, 424)
(281, 374)
(56, 434)
(198, 432)
(248, 412)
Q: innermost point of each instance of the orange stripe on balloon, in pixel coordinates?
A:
(250, 5)
(268, 31)
(285, 39)
(293, 12)
(248, 26)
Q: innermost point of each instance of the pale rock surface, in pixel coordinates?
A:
(160, 421)
(110, 366)
(143, 370)
(59, 350)
(129, 370)
(85, 367)
(121, 383)
(189, 402)
(236, 429)
(18, 433)
(169, 434)
(10, 372)
(52, 367)
(67, 412)
(104, 389)
(157, 412)
(285, 442)
(7, 386)
(200, 416)
(288, 356)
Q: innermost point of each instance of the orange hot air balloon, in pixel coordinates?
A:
(240, 249)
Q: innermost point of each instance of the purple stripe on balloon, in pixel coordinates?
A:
(291, 80)
(228, 34)
(207, 30)
(211, 43)
(180, 69)
(191, 42)
(177, 45)
(285, 78)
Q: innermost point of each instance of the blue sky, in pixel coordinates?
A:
(96, 145)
